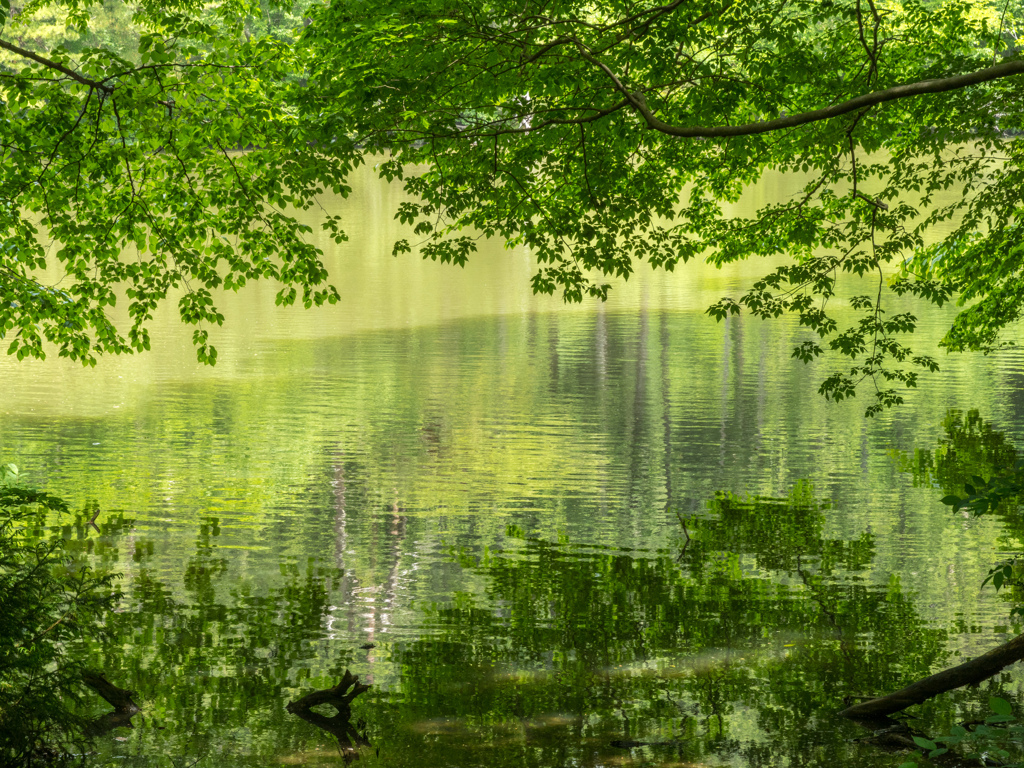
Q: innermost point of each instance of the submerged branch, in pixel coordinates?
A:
(120, 699)
(340, 697)
(339, 725)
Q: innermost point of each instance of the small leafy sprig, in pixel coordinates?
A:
(999, 738)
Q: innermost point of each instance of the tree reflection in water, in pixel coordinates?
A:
(743, 650)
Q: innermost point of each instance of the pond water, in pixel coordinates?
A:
(545, 535)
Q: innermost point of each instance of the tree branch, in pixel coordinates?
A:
(969, 673)
(99, 85)
(956, 82)
(51, 64)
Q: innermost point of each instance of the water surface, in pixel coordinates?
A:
(573, 535)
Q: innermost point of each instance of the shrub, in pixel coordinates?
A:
(48, 600)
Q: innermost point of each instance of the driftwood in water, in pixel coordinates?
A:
(337, 696)
(119, 698)
(969, 673)
(339, 725)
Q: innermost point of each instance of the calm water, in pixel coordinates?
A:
(487, 487)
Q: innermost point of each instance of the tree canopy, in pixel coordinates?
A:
(600, 136)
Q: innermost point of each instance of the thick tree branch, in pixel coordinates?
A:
(97, 84)
(51, 64)
(956, 82)
(969, 673)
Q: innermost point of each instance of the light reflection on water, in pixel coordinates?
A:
(417, 471)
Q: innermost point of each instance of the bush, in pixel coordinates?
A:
(48, 600)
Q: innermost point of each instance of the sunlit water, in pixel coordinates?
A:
(488, 488)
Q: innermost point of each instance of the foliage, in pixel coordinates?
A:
(598, 136)
(760, 623)
(983, 496)
(171, 171)
(44, 27)
(975, 466)
(47, 601)
(999, 738)
(979, 471)
(1002, 492)
(970, 454)
(556, 649)
(216, 657)
(604, 136)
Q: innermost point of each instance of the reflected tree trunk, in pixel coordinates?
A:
(120, 699)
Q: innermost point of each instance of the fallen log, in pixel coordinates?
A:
(969, 673)
(120, 699)
(339, 697)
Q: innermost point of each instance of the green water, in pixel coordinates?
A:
(487, 486)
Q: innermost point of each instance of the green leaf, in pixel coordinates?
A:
(999, 719)
(1000, 706)
(925, 743)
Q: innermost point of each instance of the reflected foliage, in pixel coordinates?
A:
(970, 448)
(739, 644)
(978, 469)
(215, 665)
(740, 648)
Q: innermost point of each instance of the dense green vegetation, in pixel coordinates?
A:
(162, 152)
(599, 137)
(51, 606)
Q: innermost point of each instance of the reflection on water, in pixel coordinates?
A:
(509, 519)
(738, 650)
(737, 645)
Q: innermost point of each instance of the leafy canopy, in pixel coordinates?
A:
(598, 135)
(604, 135)
(121, 178)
